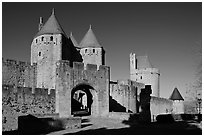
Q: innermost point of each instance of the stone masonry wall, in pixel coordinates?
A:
(92, 56)
(23, 102)
(18, 73)
(125, 93)
(45, 53)
(68, 78)
(160, 106)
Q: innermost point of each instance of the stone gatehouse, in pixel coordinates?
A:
(95, 83)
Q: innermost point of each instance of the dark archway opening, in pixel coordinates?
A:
(81, 100)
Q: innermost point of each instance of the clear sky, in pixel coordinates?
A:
(169, 33)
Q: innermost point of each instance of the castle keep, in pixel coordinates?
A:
(65, 78)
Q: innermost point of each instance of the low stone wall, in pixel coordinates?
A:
(165, 118)
(19, 101)
(124, 96)
(44, 124)
(160, 106)
(119, 115)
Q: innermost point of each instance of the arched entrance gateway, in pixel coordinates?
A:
(84, 100)
(82, 90)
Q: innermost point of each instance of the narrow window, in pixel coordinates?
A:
(141, 77)
(36, 40)
(42, 38)
(85, 50)
(51, 38)
(39, 53)
(93, 50)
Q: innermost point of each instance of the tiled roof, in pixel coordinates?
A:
(73, 40)
(176, 95)
(51, 27)
(143, 62)
(89, 40)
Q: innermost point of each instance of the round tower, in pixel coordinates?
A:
(142, 71)
(46, 50)
(178, 102)
(92, 52)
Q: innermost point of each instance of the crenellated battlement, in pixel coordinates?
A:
(78, 65)
(14, 62)
(91, 67)
(81, 66)
(7, 89)
(22, 101)
(18, 73)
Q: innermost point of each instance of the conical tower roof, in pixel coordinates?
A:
(176, 95)
(89, 40)
(75, 43)
(51, 27)
(143, 62)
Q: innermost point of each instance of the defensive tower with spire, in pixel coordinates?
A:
(142, 71)
(51, 44)
(46, 49)
(92, 52)
(178, 101)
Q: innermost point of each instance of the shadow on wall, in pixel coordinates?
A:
(115, 106)
(69, 51)
(31, 125)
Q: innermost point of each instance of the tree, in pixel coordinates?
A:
(194, 91)
(198, 73)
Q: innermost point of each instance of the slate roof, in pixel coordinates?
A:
(89, 40)
(75, 43)
(143, 62)
(176, 95)
(52, 26)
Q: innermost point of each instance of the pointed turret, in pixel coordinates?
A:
(75, 43)
(89, 40)
(51, 26)
(176, 95)
(178, 102)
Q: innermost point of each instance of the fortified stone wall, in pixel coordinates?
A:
(68, 78)
(18, 73)
(160, 106)
(23, 102)
(148, 76)
(124, 93)
(178, 106)
(93, 56)
(45, 51)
